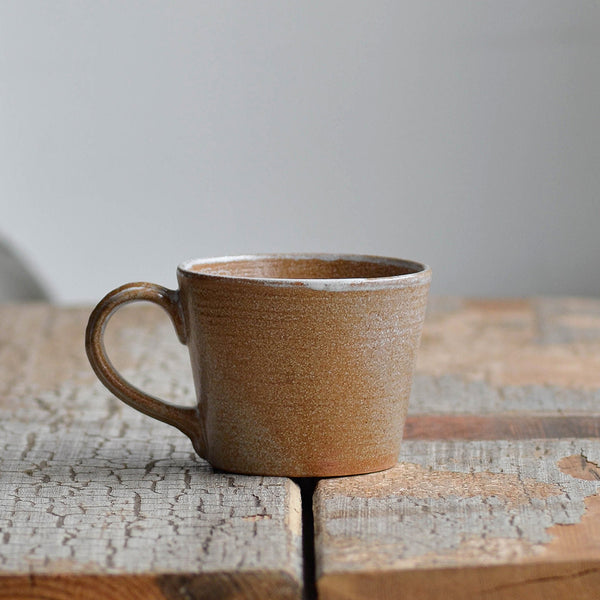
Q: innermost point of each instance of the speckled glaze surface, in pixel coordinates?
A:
(302, 363)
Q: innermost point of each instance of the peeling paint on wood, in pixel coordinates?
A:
(452, 505)
(453, 394)
(118, 495)
(101, 501)
(524, 518)
(547, 343)
(418, 481)
(579, 466)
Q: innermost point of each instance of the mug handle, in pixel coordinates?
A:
(187, 420)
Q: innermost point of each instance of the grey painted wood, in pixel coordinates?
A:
(503, 356)
(515, 512)
(463, 506)
(454, 394)
(91, 487)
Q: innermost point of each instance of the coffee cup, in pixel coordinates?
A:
(302, 363)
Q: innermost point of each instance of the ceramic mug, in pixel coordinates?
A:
(302, 364)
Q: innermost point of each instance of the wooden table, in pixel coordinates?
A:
(495, 496)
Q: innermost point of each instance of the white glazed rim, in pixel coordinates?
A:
(421, 274)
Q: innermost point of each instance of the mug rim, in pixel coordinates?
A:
(420, 275)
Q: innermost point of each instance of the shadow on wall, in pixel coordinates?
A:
(18, 283)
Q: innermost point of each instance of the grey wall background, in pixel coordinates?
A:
(465, 134)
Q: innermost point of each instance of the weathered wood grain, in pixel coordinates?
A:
(99, 501)
(510, 507)
(487, 519)
(522, 426)
(501, 356)
(523, 520)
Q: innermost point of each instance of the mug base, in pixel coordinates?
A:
(315, 471)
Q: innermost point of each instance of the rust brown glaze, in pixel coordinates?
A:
(302, 363)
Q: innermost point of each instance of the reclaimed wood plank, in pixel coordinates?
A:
(456, 520)
(99, 501)
(496, 493)
(522, 426)
(481, 357)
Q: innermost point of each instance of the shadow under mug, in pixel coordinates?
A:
(302, 364)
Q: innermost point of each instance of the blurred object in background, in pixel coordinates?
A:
(18, 283)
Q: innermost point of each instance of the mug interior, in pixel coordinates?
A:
(304, 267)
